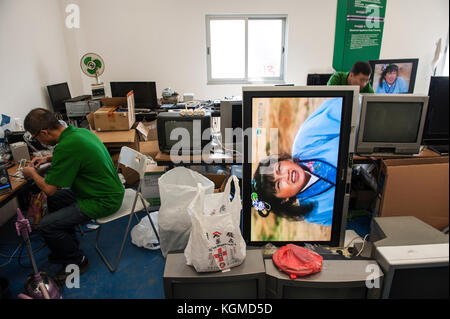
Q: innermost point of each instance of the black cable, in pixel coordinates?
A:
(11, 257)
(34, 251)
(85, 231)
(19, 256)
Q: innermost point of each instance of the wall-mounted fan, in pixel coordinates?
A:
(93, 66)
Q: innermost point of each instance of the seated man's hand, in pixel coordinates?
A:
(38, 161)
(28, 171)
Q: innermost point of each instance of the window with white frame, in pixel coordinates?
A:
(246, 49)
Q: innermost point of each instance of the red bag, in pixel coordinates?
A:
(297, 261)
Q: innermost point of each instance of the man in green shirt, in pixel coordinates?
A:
(81, 184)
(359, 75)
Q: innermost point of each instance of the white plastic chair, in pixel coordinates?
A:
(130, 205)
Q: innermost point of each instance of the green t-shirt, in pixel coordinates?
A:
(340, 78)
(82, 163)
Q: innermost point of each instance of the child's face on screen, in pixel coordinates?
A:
(391, 77)
(289, 179)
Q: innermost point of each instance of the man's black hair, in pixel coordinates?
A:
(361, 67)
(40, 119)
(265, 188)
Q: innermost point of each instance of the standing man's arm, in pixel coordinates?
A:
(369, 88)
(334, 79)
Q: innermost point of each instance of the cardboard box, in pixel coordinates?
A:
(131, 176)
(117, 139)
(108, 118)
(147, 131)
(219, 180)
(415, 187)
(150, 187)
(150, 148)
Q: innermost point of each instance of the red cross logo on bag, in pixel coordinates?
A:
(220, 255)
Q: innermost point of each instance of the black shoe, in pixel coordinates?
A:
(53, 259)
(61, 275)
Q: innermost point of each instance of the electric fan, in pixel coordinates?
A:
(93, 66)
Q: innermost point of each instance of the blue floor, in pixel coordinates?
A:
(140, 272)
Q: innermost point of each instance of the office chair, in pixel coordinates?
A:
(130, 205)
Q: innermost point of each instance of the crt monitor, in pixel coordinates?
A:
(318, 78)
(144, 93)
(391, 124)
(183, 133)
(59, 93)
(230, 118)
(436, 125)
(246, 281)
(393, 76)
(413, 256)
(296, 175)
(339, 279)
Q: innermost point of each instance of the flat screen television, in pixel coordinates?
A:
(435, 133)
(391, 124)
(393, 76)
(59, 93)
(5, 184)
(298, 144)
(144, 93)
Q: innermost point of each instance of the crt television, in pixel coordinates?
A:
(230, 118)
(58, 94)
(144, 93)
(393, 76)
(435, 133)
(413, 256)
(246, 281)
(340, 279)
(391, 124)
(318, 78)
(296, 172)
(183, 133)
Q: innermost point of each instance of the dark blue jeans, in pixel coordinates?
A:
(58, 227)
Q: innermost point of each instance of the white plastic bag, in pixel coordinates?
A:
(215, 242)
(142, 235)
(177, 188)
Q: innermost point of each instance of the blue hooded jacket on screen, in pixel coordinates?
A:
(316, 148)
(399, 86)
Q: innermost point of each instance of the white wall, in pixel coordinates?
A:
(164, 41)
(167, 41)
(32, 54)
(411, 30)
